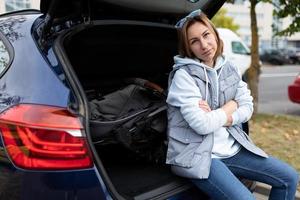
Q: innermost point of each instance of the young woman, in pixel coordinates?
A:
(207, 102)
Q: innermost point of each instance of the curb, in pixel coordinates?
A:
(264, 189)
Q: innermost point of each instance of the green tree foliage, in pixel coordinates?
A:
(222, 21)
(283, 9)
(288, 8)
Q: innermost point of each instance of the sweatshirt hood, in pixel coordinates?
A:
(180, 61)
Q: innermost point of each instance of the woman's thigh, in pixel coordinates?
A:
(267, 170)
(223, 184)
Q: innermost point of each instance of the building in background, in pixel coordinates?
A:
(240, 12)
(293, 40)
(2, 6)
(12, 5)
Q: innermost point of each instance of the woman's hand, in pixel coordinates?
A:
(204, 106)
(229, 108)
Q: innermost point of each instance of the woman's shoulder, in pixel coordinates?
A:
(182, 73)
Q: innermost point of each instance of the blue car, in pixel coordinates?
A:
(54, 64)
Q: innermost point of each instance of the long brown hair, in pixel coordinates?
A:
(184, 48)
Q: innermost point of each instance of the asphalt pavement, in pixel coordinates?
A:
(273, 90)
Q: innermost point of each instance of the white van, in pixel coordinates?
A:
(235, 49)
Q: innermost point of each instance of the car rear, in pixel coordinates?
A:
(294, 90)
(47, 146)
(44, 153)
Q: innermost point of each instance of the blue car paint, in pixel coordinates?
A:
(30, 72)
(33, 185)
(18, 85)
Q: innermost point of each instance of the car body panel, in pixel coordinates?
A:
(240, 56)
(51, 91)
(294, 90)
(30, 185)
(18, 86)
(15, 183)
(36, 76)
(172, 7)
(169, 11)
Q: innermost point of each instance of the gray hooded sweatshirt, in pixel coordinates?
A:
(196, 136)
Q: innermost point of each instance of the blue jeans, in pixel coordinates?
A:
(223, 183)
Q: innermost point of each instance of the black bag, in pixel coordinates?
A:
(134, 115)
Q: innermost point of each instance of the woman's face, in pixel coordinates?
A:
(202, 43)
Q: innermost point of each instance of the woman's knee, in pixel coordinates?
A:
(285, 172)
(292, 177)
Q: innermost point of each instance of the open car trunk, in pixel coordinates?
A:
(103, 56)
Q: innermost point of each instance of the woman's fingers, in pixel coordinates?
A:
(204, 106)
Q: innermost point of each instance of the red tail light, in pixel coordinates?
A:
(44, 137)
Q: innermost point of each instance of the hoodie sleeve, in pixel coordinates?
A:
(245, 103)
(185, 94)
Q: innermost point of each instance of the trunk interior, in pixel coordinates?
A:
(102, 57)
(105, 54)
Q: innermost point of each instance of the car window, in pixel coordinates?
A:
(239, 48)
(4, 57)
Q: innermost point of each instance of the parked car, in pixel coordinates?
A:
(58, 62)
(235, 49)
(292, 54)
(53, 62)
(274, 56)
(294, 90)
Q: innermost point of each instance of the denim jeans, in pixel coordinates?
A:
(223, 184)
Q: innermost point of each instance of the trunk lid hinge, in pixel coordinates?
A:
(46, 26)
(86, 12)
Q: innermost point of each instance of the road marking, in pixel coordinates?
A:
(279, 75)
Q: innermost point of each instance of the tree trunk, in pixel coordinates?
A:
(254, 70)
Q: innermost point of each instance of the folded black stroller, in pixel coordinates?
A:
(134, 115)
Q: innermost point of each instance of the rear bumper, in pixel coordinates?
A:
(17, 184)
